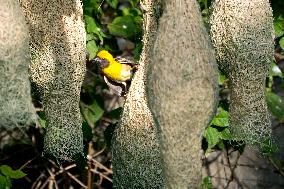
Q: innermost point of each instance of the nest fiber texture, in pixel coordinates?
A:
(58, 68)
(242, 34)
(16, 107)
(137, 159)
(182, 85)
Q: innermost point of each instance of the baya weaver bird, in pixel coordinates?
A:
(117, 72)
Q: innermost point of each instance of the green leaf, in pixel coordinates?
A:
(275, 104)
(278, 27)
(92, 113)
(222, 78)
(92, 6)
(124, 26)
(206, 183)
(91, 24)
(6, 170)
(18, 174)
(205, 12)
(131, 11)
(2, 182)
(221, 145)
(212, 136)
(138, 20)
(9, 172)
(89, 37)
(281, 43)
(225, 134)
(112, 3)
(221, 119)
(93, 28)
(133, 2)
(42, 119)
(92, 48)
(268, 147)
(5, 182)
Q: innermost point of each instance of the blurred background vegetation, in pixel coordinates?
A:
(116, 25)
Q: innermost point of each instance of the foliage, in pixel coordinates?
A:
(278, 21)
(275, 105)
(218, 130)
(206, 183)
(7, 174)
(107, 20)
(204, 6)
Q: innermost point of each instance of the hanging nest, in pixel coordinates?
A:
(58, 67)
(242, 34)
(16, 107)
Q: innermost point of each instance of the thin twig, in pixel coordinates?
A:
(274, 164)
(52, 178)
(65, 169)
(90, 174)
(44, 184)
(98, 164)
(101, 4)
(99, 152)
(35, 185)
(29, 161)
(53, 163)
(76, 180)
(102, 175)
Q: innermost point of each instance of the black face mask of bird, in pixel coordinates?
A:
(101, 62)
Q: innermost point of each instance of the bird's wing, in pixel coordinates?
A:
(129, 62)
(123, 60)
(119, 88)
